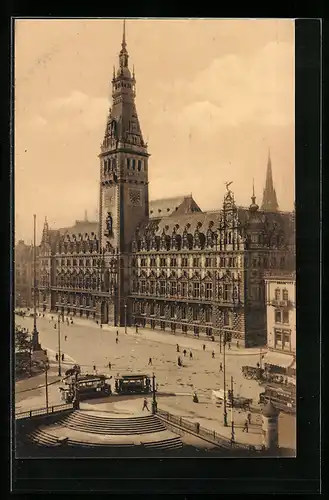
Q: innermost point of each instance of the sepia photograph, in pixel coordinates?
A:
(155, 245)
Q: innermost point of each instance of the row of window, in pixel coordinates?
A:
(282, 339)
(122, 84)
(227, 292)
(281, 316)
(133, 164)
(281, 293)
(77, 262)
(209, 262)
(74, 300)
(182, 312)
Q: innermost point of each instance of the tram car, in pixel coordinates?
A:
(282, 397)
(89, 386)
(133, 384)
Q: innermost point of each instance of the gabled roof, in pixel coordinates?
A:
(81, 227)
(167, 206)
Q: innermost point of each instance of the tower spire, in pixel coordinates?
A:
(124, 35)
(270, 202)
(123, 56)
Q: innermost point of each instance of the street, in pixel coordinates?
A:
(89, 345)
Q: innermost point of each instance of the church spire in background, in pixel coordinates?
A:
(270, 203)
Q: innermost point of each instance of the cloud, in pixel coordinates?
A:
(38, 121)
(90, 111)
(232, 91)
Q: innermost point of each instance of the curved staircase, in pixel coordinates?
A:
(79, 427)
(93, 424)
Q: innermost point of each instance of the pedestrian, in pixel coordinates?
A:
(94, 368)
(184, 352)
(52, 318)
(220, 367)
(55, 326)
(56, 357)
(179, 361)
(150, 361)
(249, 418)
(204, 347)
(213, 354)
(63, 357)
(246, 427)
(101, 325)
(117, 340)
(177, 347)
(229, 346)
(136, 328)
(191, 355)
(237, 344)
(65, 338)
(145, 405)
(96, 321)
(71, 321)
(117, 333)
(110, 366)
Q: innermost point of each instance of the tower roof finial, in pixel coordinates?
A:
(124, 35)
(253, 206)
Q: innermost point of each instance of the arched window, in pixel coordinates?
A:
(277, 293)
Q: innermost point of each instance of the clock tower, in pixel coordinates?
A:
(124, 200)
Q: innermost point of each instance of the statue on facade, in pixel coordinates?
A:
(109, 223)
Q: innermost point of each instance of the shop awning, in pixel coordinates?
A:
(293, 366)
(278, 359)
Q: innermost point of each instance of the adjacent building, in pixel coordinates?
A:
(164, 264)
(23, 274)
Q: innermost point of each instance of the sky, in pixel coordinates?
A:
(213, 96)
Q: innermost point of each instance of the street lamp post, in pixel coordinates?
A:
(59, 347)
(46, 367)
(125, 317)
(35, 334)
(225, 411)
(232, 419)
(154, 402)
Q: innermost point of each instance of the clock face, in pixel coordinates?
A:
(135, 197)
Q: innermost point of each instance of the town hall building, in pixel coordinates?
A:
(163, 264)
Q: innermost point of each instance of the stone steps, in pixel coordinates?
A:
(112, 426)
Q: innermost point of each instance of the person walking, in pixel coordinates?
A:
(116, 340)
(191, 355)
(220, 367)
(237, 344)
(246, 426)
(150, 361)
(63, 357)
(229, 346)
(179, 361)
(213, 354)
(110, 366)
(117, 333)
(136, 328)
(184, 352)
(145, 405)
(204, 347)
(101, 325)
(94, 368)
(177, 347)
(249, 418)
(65, 338)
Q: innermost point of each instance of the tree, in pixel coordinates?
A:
(23, 341)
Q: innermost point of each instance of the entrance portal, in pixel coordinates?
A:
(104, 312)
